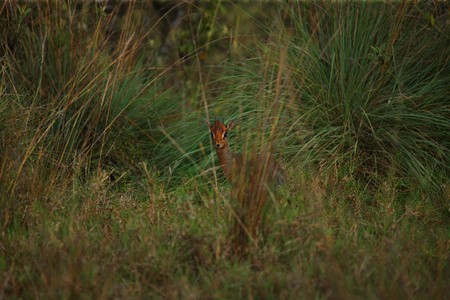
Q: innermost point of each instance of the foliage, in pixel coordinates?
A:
(109, 187)
(357, 90)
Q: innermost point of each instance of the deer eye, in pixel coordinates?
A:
(212, 135)
(225, 135)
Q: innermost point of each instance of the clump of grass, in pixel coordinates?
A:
(251, 196)
(74, 104)
(371, 92)
(362, 90)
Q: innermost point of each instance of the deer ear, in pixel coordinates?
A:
(231, 124)
(208, 124)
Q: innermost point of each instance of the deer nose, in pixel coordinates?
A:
(217, 145)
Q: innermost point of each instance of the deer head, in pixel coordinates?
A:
(219, 133)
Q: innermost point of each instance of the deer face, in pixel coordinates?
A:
(219, 133)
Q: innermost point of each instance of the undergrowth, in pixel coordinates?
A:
(110, 188)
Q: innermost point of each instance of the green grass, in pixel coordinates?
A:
(109, 186)
(101, 242)
(360, 98)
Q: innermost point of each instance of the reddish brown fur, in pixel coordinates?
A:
(222, 145)
(229, 160)
(250, 175)
(218, 129)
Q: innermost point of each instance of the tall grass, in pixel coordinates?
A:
(358, 90)
(371, 90)
(109, 187)
(73, 104)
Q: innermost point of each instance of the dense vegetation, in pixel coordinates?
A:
(109, 186)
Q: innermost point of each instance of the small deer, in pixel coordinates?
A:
(233, 163)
